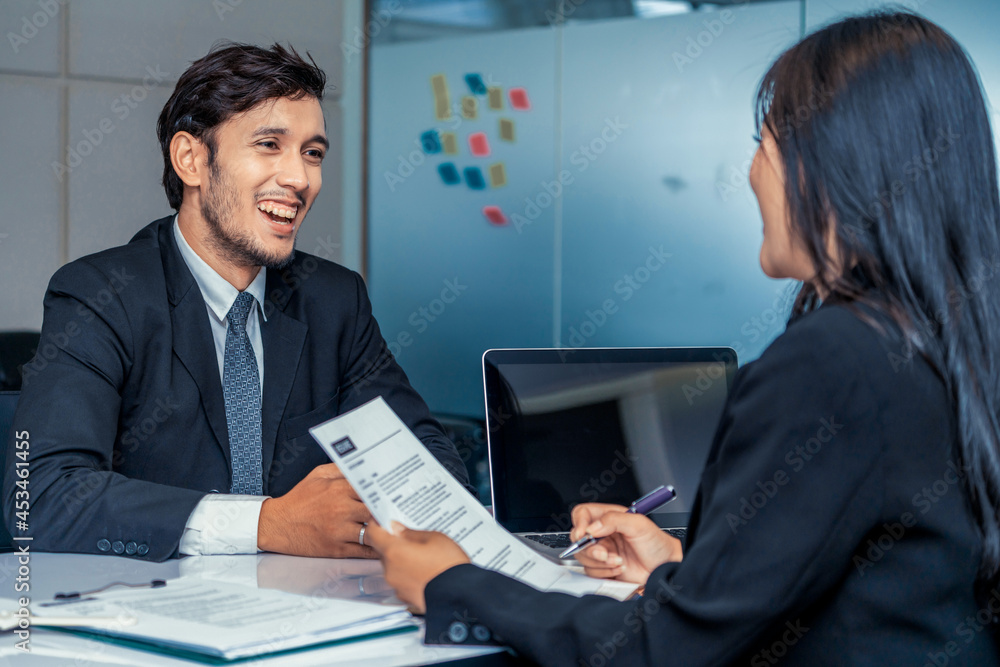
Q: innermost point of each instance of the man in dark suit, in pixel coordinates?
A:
(168, 408)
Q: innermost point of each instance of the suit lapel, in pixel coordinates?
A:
(283, 337)
(192, 335)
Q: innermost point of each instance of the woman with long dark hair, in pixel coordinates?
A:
(848, 511)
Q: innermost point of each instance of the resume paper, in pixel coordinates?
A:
(400, 480)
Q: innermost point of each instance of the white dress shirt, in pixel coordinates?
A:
(223, 523)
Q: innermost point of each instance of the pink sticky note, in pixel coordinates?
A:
(495, 215)
(519, 99)
(479, 145)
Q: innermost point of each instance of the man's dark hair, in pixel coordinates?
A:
(231, 79)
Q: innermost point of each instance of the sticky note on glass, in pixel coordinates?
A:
(449, 174)
(431, 142)
(495, 97)
(470, 107)
(507, 129)
(498, 175)
(476, 84)
(495, 215)
(474, 178)
(479, 145)
(442, 101)
(519, 99)
(449, 143)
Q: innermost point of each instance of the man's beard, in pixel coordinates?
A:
(233, 243)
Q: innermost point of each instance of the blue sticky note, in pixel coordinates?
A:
(474, 178)
(449, 174)
(431, 142)
(476, 84)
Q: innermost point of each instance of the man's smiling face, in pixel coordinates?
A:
(264, 177)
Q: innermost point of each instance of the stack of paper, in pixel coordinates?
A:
(228, 621)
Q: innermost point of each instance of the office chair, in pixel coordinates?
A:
(16, 349)
(8, 401)
(469, 436)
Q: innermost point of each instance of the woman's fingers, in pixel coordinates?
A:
(586, 513)
(627, 525)
(604, 572)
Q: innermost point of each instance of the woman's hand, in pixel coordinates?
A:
(633, 546)
(412, 558)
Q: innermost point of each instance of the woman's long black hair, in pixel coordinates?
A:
(883, 130)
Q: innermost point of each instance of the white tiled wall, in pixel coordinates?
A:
(30, 227)
(80, 166)
(31, 32)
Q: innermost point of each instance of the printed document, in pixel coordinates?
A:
(230, 621)
(400, 480)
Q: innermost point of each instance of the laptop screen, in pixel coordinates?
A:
(599, 425)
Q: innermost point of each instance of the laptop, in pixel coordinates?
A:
(567, 426)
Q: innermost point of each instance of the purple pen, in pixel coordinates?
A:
(653, 500)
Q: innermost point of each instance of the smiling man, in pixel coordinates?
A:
(189, 364)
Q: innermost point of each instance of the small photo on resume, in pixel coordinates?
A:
(344, 446)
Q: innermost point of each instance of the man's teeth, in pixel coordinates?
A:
(281, 211)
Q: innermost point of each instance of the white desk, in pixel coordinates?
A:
(320, 577)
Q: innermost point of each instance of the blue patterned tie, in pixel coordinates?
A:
(241, 386)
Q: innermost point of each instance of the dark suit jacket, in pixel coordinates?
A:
(124, 406)
(831, 528)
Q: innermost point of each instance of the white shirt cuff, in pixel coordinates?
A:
(222, 523)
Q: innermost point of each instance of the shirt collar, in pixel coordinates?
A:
(218, 293)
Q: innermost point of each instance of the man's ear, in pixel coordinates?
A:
(189, 157)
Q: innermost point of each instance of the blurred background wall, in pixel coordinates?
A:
(630, 221)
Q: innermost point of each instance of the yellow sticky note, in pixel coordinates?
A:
(470, 107)
(449, 142)
(495, 97)
(442, 101)
(507, 129)
(498, 175)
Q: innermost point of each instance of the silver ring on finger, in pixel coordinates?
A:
(361, 535)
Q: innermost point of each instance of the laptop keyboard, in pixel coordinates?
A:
(554, 540)
(561, 540)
